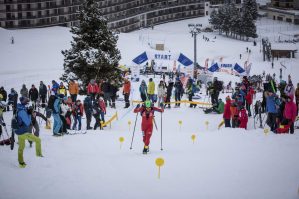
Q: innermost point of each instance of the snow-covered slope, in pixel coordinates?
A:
(225, 163)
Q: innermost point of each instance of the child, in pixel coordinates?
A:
(235, 114)
(77, 113)
(96, 112)
(243, 118)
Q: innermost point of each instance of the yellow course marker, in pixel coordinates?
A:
(207, 124)
(180, 123)
(193, 137)
(129, 123)
(159, 163)
(121, 140)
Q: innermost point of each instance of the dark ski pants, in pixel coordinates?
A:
(227, 122)
(177, 98)
(127, 95)
(88, 120)
(271, 121)
(74, 97)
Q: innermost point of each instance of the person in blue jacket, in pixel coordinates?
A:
(272, 106)
(24, 121)
(56, 115)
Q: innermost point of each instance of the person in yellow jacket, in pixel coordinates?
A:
(151, 90)
(73, 90)
(62, 89)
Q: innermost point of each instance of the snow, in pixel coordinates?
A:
(225, 163)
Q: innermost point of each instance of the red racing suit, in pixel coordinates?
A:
(147, 122)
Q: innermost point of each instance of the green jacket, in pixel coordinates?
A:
(151, 88)
(220, 108)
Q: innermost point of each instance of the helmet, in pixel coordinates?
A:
(147, 104)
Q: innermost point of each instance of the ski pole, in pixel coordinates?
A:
(134, 131)
(161, 133)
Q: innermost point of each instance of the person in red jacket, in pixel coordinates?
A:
(249, 98)
(147, 114)
(227, 113)
(92, 89)
(243, 118)
(126, 91)
(77, 110)
(290, 113)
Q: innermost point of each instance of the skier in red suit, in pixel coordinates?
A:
(147, 114)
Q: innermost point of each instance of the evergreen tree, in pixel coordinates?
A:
(251, 7)
(248, 25)
(214, 20)
(93, 53)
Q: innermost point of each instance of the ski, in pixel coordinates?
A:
(75, 132)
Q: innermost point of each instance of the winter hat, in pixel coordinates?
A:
(24, 100)
(227, 98)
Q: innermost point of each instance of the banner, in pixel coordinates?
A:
(161, 55)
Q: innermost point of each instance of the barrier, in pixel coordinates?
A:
(182, 102)
(114, 117)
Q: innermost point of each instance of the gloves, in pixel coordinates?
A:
(138, 105)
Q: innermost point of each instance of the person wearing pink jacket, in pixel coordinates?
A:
(290, 113)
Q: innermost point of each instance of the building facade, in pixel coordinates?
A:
(284, 10)
(123, 15)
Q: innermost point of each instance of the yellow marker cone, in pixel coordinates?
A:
(180, 123)
(193, 137)
(266, 131)
(121, 140)
(207, 124)
(129, 123)
(159, 163)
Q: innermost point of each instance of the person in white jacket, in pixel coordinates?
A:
(161, 92)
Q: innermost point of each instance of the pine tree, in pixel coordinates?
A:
(248, 25)
(93, 53)
(214, 20)
(251, 7)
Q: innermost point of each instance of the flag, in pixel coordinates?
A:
(214, 68)
(238, 68)
(141, 58)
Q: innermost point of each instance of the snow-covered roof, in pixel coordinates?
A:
(291, 12)
(283, 47)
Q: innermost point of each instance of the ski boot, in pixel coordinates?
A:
(22, 164)
(145, 150)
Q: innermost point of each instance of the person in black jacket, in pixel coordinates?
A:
(179, 90)
(13, 100)
(106, 89)
(88, 111)
(168, 93)
(34, 126)
(113, 91)
(42, 93)
(33, 96)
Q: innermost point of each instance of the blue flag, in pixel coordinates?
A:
(238, 68)
(141, 58)
(184, 60)
(214, 68)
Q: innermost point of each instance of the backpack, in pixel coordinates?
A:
(14, 122)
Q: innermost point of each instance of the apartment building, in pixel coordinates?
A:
(284, 10)
(123, 15)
